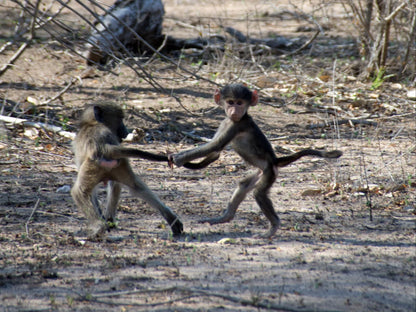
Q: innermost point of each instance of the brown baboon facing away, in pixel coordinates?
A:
(239, 129)
(100, 158)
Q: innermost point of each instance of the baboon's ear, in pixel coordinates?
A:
(254, 98)
(98, 113)
(217, 97)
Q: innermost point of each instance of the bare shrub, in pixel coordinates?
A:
(387, 33)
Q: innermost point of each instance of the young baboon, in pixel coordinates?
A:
(100, 158)
(251, 144)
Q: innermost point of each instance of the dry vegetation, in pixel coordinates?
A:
(347, 241)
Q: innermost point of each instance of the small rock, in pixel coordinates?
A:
(412, 94)
(64, 189)
(311, 192)
(227, 240)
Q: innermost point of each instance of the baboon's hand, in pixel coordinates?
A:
(170, 161)
(333, 154)
(175, 159)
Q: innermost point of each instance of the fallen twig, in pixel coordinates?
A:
(30, 217)
(13, 58)
(265, 304)
(394, 13)
(10, 162)
(24, 45)
(69, 85)
(303, 46)
(195, 137)
(39, 125)
(342, 122)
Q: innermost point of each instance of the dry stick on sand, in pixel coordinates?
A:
(39, 125)
(307, 43)
(344, 121)
(68, 86)
(30, 217)
(24, 45)
(262, 304)
(145, 74)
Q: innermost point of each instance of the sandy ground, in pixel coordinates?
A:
(328, 254)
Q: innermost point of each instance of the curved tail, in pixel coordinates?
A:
(286, 160)
(117, 152)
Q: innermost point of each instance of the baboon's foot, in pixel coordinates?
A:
(270, 233)
(223, 219)
(177, 227)
(97, 231)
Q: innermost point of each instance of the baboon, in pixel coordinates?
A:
(100, 158)
(239, 129)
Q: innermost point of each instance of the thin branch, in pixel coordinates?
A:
(69, 85)
(140, 38)
(264, 304)
(303, 46)
(344, 121)
(30, 217)
(23, 47)
(5, 46)
(58, 36)
(195, 137)
(411, 41)
(39, 125)
(394, 13)
(367, 193)
(13, 58)
(146, 76)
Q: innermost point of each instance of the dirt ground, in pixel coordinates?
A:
(328, 254)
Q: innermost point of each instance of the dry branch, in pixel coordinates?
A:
(69, 85)
(342, 122)
(24, 45)
(40, 125)
(254, 302)
(305, 45)
(30, 217)
(195, 137)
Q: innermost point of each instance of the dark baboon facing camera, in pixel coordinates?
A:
(239, 129)
(100, 158)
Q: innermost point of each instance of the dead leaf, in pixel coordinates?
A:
(311, 192)
(397, 188)
(49, 147)
(325, 78)
(31, 133)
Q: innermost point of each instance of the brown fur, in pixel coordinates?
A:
(100, 158)
(239, 129)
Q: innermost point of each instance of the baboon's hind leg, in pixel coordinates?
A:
(113, 196)
(83, 193)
